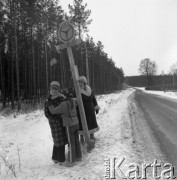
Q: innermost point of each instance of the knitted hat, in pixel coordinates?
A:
(55, 85)
(82, 79)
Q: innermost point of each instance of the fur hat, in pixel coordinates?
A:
(82, 79)
(55, 85)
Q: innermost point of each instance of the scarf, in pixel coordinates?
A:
(55, 94)
(86, 91)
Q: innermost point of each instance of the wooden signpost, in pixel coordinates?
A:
(66, 35)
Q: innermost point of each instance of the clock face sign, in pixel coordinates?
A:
(66, 32)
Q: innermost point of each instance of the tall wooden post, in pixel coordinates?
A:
(66, 35)
(78, 95)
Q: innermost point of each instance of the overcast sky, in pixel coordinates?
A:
(131, 30)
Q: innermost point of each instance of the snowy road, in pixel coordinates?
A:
(161, 114)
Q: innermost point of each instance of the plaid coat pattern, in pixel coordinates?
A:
(55, 121)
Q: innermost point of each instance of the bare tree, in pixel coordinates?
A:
(148, 68)
(173, 72)
(173, 69)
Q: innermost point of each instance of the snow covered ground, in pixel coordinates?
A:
(26, 143)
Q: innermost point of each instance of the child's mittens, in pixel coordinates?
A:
(97, 111)
(97, 108)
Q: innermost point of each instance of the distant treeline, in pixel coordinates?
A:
(29, 60)
(157, 82)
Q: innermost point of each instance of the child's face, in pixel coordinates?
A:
(81, 84)
(54, 88)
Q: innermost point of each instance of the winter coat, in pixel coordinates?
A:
(90, 106)
(68, 112)
(55, 122)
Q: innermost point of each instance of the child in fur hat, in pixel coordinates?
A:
(68, 111)
(55, 121)
(90, 106)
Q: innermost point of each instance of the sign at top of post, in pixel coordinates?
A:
(66, 32)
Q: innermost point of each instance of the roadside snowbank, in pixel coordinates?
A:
(168, 94)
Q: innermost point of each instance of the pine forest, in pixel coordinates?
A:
(29, 59)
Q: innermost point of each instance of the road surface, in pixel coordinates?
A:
(161, 114)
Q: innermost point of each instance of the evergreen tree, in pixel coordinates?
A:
(28, 39)
(80, 17)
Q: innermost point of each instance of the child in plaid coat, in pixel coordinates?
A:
(68, 111)
(55, 121)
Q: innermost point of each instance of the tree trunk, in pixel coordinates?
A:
(2, 80)
(87, 65)
(16, 58)
(93, 73)
(33, 67)
(38, 75)
(12, 81)
(46, 64)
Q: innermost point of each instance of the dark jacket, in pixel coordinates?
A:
(55, 121)
(90, 105)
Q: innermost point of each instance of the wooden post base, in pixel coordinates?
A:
(90, 145)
